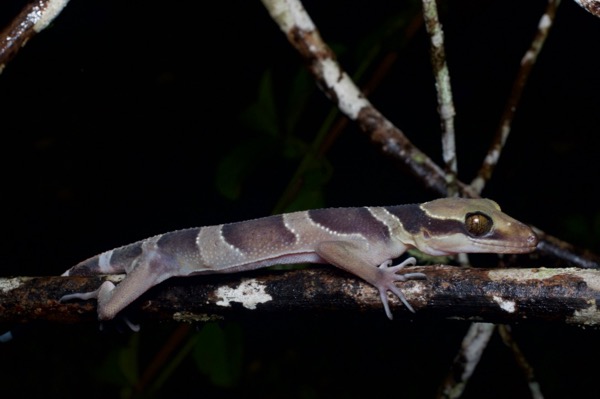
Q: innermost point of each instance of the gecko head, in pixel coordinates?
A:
(461, 225)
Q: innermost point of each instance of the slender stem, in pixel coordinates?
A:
(339, 87)
(32, 19)
(527, 63)
(524, 365)
(592, 6)
(444, 92)
(472, 347)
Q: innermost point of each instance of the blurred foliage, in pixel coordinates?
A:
(218, 353)
(583, 229)
(275, 136)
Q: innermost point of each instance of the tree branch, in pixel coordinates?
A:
(592, 6)
(34, 18)
(492, 295)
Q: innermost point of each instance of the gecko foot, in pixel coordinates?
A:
(102, 292)
(387, 279)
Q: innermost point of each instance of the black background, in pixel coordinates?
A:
(115, 118)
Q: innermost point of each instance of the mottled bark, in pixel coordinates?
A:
(565, 295)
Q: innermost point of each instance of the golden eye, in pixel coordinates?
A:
(478, 224)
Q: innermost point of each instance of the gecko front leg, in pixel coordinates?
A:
(350, 256)
(389, 277)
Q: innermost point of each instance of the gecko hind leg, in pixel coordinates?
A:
(102, 294)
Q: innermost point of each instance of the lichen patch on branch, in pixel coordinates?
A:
(350, 99)
(9, 284)
(249, 293)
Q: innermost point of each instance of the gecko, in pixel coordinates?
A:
(362, 241)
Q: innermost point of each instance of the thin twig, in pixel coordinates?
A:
(475, 341)
(444, 92)
(477, 338)
(592, 6)
(34, 18)
(472, 347)
(524, 365)
(330, 131)
(527, 63)
(337, 86)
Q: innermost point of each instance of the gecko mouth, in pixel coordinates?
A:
(529, 245)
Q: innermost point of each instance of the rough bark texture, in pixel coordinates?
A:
(565, 295)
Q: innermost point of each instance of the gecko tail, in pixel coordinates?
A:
(99, 264)
(115, 261)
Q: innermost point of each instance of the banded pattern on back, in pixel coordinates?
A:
(254, 237)
(181, 245)
(351, 221)
(287, 238)
(235, 244)
(411, 217)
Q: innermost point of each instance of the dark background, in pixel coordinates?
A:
(117, 121)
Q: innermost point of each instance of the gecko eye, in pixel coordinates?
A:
(478, 224)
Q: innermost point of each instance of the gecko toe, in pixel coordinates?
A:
(79, 295)
(386, 305)
(414, 276)
(396, 291)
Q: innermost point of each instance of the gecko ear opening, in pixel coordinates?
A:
(478, 224)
